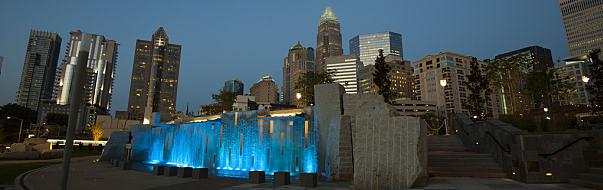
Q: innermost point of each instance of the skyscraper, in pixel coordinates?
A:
(366, 46)
(453, 68)
(583, 23)
(102, 58)
(1, 61)
(235, 86)
(298, 61)
(154, 84)
(39, 69)
(328, 38)
(344, 70)
(400, 76)
(265, 90)
(513, 101)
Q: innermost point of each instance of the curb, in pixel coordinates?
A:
(20, 182)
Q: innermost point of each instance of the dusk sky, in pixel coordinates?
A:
(246, 40)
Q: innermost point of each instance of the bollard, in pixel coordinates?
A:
(199, 173)
(309, 179)
(170, 171)
(123, 165)
(257, 177)
(185, 172)
(158, 170)
(282, 178)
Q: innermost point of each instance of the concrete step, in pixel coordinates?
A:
(590, 177)
(456, 149)
(596, 163)
(467, 174)
(458, 154)
(586, 183)
(596, 171)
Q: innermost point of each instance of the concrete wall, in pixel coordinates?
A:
(389, 151)
(523, 154)
(328, 106)
(339, 163)
(111, 124)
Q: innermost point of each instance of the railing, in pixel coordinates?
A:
(587, 138)
(505, 149)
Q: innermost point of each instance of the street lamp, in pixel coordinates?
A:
(443, 84)
(546, 109)
(298, 95)
(20, 127)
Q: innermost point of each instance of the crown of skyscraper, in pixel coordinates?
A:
(328, 15)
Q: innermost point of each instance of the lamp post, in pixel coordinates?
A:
(20, 127)
(443, 84)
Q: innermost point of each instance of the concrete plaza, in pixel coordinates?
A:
(90, 175)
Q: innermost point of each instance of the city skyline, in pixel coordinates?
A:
(199, 82)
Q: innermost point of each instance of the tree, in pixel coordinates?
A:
(381, 77)
(477, 85)
(306, 83)
(21, 112)
(595, 82)
(97, 131)
(222, 102)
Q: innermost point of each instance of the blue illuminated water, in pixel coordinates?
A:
(234, 145)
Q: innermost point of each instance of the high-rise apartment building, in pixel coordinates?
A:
(344, 70)
(535, 58)
(39, 69)
(367, 46)
(235, 86)
(400, 76)
(573, 72)
(298, 61)
(265, 91)
(328, 38)
(101, 62)
(454, 68)
(583, 23)
(154, 84)
(102, 59)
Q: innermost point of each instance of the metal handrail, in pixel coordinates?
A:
(497, 142)
(588, 138)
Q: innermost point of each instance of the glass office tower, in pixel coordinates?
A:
(366, 46)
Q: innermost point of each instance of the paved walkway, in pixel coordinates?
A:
(89, 175)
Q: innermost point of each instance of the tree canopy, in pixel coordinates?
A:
(306, 83)
(381, 77)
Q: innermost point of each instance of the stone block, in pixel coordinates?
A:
(170, 171)
(52, 154)
(185, 172)
(200, 173)
(34, 141)
(328, 99)
(19, 147)
(116, 146)
(257, 177)
(282, 178)
(41, 147)
(309, 179)
(25, 155)
(158, 170)
(114, 163)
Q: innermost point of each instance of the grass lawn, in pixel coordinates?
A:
(11, 171)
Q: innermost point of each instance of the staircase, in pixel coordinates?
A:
(592, 178)
(448, 157)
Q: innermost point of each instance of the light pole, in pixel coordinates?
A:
(443, 84)
(20, 127)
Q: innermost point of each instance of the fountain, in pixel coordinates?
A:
(233, 145)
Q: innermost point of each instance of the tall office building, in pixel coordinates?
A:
(583, 23)
(298, 61)
(101, 62)
(571, 72)
(154, 84)
(344, 70)
(39, 69)
(265, 91)
(366, 46)
(512, 99)
(400, 76)
(453, 68)
(328, 38)
(235, 86)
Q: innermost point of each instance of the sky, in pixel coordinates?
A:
(246, 40)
